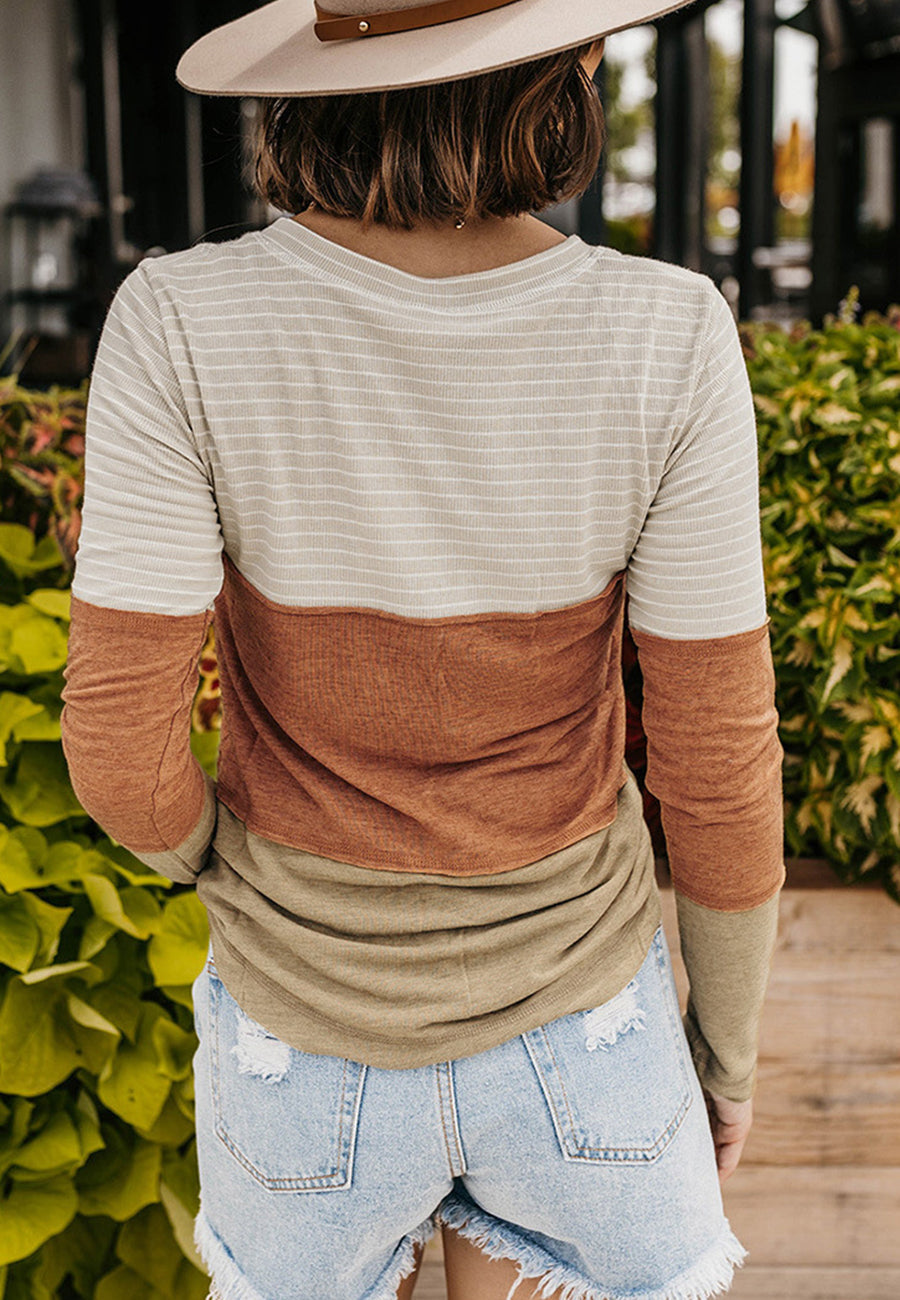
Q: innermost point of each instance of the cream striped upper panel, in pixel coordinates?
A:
(352, 434)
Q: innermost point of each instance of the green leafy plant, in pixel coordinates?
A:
(98, 1170)
(828, 411)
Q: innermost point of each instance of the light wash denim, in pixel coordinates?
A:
(581, 1150)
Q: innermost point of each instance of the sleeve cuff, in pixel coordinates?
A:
(728, 957)
(184, 863)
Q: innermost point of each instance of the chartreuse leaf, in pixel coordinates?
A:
(49, 600)
(40, 726)
(174, 1047)
(26, 862)
(122, 963)
(131, 909)
(30, 642)
(205, 748)
(50, 921)
(27, 1280)
(179, 1193)
(122, 862)
(183, 1096)
(180, 993)
(79, 1250)
(124, 1284)
(20, 936)
(122, 1178)
(16, 543)
(40, 1043)
(119, 1004)
(176, 1121)
(87, 1122)
(16, 861)
(94, 937)
(34, 1212)
(14, 709)
(85, 1014)
(132, 1083)
(56, 1149)
(192, 1282)
(178, 949)
(48, 974)
(18, 1115)
(147, 1246)
(41, 792)
(18, 550)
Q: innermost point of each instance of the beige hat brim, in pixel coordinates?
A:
(274, 50)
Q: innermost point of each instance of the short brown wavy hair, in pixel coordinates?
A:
(501, 143)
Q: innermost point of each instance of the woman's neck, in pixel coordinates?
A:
(438, 249)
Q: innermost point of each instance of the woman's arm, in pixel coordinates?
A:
(714, 763)
(147, 568)
(697, 612)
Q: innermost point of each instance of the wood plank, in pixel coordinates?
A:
(825, 1007)
(806, 1284)
(838, 920)
(846, 1113)
(832, 1012)
(818, 873)
(430, 1284)
(828, 920)
(816, 1216)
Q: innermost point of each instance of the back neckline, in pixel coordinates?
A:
(499, 285)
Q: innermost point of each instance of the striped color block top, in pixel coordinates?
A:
(419, 511)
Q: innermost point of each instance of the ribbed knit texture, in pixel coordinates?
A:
(506, 441)
(360, 440)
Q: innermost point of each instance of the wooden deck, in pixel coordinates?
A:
(816, 1197)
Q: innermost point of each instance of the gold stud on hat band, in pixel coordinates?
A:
(335, 27)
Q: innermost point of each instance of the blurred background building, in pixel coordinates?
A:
(757, 141)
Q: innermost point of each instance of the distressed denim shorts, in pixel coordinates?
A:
(580, 1150)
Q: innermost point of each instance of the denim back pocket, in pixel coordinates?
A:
(616, 1076)
(289, 1117)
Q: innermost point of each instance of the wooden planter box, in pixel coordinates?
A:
(816, 1197)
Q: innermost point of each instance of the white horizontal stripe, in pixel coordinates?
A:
(332, 439)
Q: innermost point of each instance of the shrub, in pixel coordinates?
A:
(828, 407)
(97, 953)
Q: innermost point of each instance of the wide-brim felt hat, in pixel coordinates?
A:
(299, 47)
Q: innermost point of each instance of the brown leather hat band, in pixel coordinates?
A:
(334, 27)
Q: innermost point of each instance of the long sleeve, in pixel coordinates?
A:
(729, 955)
(713, 754)
(149, 522)
(130, 683)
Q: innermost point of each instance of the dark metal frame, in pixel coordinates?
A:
(848, 95)
(682, 140)
(859, 79)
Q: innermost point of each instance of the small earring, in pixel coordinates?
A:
(460, 223)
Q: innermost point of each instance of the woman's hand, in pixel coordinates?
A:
(730, 1122)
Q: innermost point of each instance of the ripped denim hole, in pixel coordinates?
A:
(605, 1023)
(259, 1052)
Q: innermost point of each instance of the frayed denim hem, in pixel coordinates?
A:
(403, 1263)
(711, 1274)
(228, 1283)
